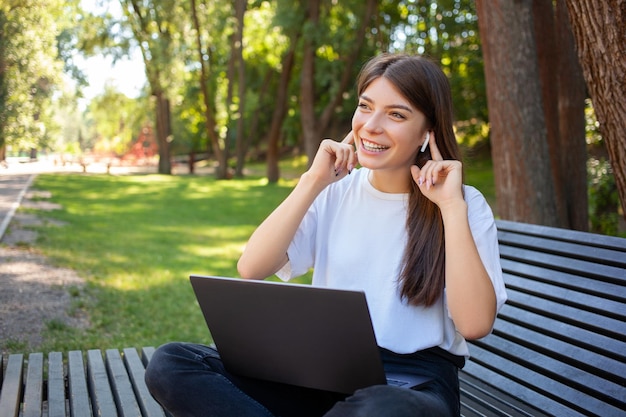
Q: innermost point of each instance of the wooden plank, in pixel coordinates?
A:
(574, 282)
(33, 392)
(99, 386)
(574, 250)
(484, 400)
(80, 405)
(146, 354)
(56, 385)
(585, 319)
(533, 387)
(12, 386)
(600, 343)
(120, 385)
(582, 357)
(598, 240)
(565, 296)
(136, 372)
(565, 264)
(562, 369)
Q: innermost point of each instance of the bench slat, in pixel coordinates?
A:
(610, 368)
(565, 264)
(120, 384)
(579, 380)
(565, 280)
(11, 393)
(480, 399)
(535, 388)
(136, 372)
(584, 338)
(34, 386)
(99, 386)
(598, 323)
(578, 250)
(565, 235)
(565, 296)
(80, 405)
(56, 385)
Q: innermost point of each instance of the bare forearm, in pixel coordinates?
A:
(266, 251)
(470, 294)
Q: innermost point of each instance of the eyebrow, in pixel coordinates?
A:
(392, 106)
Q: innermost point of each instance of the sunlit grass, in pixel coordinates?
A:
(136, 239)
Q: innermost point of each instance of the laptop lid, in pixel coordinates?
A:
(295, 334)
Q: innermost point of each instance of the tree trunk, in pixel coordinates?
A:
(280, 110)
(163, 131)
(221, 169)
(599, 28)
(240, 148)
(572, 147)
(547, 58)
(523, 177)
(310, 131)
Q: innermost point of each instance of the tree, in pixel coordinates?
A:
(599, 28)
(152, 24)
(522, 169)
(30, 70)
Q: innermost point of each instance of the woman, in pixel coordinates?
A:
(403, 228)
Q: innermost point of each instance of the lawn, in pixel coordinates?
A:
(136, 239)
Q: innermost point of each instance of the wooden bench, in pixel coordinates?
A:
(559, 344)
(87, 384)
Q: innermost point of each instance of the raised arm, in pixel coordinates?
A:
(266, 251)
(470, 294)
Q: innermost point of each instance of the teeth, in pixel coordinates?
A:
(373, 147)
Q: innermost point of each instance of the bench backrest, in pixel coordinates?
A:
(560, 341)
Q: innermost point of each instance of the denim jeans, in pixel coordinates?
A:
(190, 380)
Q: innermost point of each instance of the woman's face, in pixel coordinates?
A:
(388, 130)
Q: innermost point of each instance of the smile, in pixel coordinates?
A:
(373, 147)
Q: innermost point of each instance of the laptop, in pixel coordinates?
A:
(296, 334)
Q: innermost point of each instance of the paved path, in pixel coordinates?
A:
(12, 190)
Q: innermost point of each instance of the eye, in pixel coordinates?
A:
(363, 106)
(397, 115)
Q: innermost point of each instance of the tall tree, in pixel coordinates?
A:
(204, 58)
(152, 24)
(522, 169)
(599, 28)
(563, 97)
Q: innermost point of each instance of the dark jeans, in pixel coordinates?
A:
(190, 380)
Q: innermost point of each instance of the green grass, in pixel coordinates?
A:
(136, 239)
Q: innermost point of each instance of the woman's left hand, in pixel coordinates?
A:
(439, 180)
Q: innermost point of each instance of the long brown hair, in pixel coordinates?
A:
(424, 84)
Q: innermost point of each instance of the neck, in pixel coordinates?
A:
(390, 181)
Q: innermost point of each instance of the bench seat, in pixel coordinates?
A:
(94, 383)
(558, 346)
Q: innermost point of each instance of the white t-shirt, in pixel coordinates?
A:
(353, 236)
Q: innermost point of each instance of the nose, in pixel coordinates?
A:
(373, 123)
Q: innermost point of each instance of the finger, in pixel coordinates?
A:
(349, 139)
(434, 150)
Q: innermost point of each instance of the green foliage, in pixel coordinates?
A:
(603, 197)
(30, 71)
(115, 121)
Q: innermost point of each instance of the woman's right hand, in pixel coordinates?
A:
(333, 160)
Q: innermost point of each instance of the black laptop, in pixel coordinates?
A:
(295, 334)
